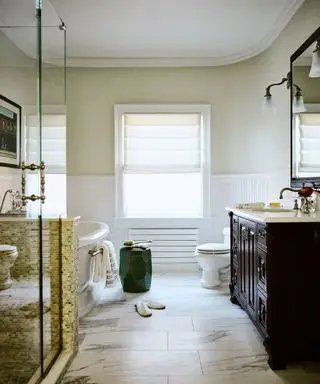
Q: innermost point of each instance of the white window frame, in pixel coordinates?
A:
(311, 108)
(203, 109)
(46, 110)
(32, 110)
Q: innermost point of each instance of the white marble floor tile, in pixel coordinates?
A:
(210, 323)
(210, 341)
(106, 379)
(125, 340)
(269, 377)
(233, 361)
(214, 340)
(158, 321)
(237, 327)
(136, 363)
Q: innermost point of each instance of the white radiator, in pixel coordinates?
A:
(169, 245)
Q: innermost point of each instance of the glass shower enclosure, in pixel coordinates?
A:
(32, 119)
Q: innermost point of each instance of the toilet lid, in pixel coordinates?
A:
(5, 248)
(213, 247)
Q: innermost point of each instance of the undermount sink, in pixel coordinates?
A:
(272, 209)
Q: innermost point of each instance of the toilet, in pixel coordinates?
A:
(8, 256)
(214, 260)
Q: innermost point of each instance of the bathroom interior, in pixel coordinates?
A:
(83, 172)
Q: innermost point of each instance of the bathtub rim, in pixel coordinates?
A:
(94, 236)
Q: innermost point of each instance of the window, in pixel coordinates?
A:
(307, 142)
(162, 161)
(53, 154)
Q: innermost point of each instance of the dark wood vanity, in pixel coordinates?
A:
(275, 278)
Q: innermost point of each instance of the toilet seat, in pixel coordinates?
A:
(6, 249)
(213, 248)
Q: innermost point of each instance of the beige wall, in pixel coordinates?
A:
(244, 140)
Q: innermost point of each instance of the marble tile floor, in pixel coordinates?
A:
(199, 338)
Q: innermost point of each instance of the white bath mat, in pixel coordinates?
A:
(103, 295)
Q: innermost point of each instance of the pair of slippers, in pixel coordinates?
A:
(144, 308)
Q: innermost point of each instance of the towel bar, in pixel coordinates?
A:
(95, 252)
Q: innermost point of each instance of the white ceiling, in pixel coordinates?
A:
(108, 33)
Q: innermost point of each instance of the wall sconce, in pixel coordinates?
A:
(297, 103)
(315, 66)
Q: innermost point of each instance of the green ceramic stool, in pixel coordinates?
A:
(135, 269)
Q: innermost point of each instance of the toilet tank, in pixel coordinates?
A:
(226, 235)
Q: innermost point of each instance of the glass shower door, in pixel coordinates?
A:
(20, 304)
(32, 117)
(52, 57)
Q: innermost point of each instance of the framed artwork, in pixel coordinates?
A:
(10, 133)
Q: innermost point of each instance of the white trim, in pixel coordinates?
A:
(203, 109)
(47, 109)
(285, 16)
(310, 108)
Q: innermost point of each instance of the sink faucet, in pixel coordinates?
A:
(4, 198)
(288, 189)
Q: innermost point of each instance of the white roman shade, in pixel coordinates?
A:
(161, 143)
(53, 141)
(309, 142)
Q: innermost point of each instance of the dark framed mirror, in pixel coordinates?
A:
(305, 113)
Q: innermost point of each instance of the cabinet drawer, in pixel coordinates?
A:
(262, 312)
(262, 269)
(262, 235)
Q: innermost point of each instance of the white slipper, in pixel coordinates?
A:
(142, 309)
(155, 305)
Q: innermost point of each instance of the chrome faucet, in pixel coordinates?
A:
(4, 198)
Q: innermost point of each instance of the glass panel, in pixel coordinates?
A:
(32, 78)
(20, 304)
(53, 154)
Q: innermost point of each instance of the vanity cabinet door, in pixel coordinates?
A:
(248, 266)
(262, 311)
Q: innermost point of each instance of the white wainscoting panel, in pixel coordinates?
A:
(93, 198)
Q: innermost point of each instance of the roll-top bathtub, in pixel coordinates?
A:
(90, 232)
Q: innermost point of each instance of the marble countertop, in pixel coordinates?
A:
(294, 216)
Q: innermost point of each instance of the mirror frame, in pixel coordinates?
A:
(297, 182)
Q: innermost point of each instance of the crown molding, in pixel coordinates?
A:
(209, 61)
(275, 30)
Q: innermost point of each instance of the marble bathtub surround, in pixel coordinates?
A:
(200, 338)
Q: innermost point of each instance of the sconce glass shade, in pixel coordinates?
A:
(298, 104)
(315, 66)
(268, 104)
